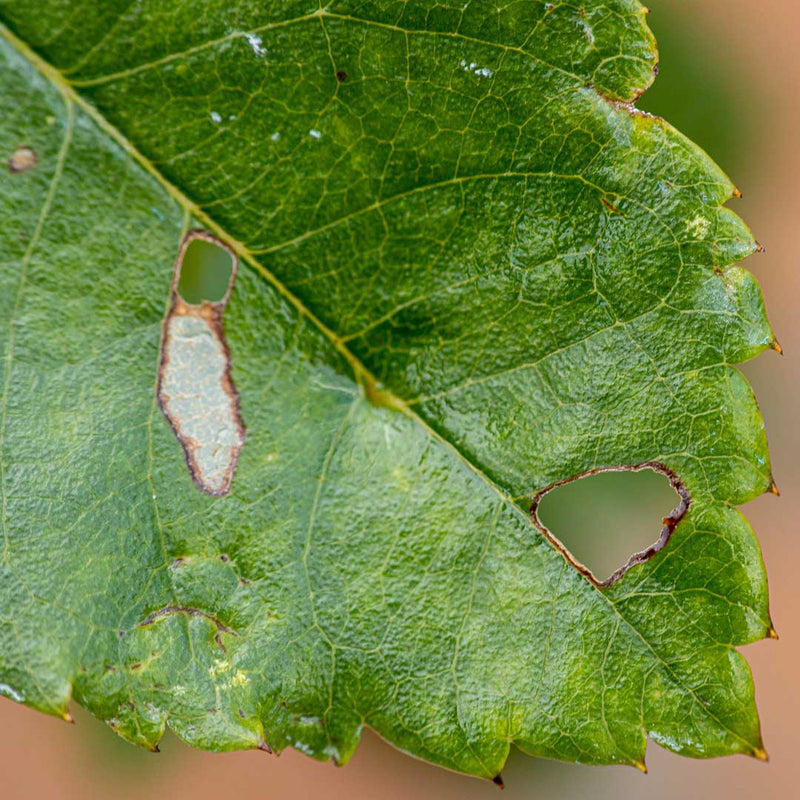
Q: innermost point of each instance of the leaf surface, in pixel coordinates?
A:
(469, 270)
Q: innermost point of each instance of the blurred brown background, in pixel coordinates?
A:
(729, 79)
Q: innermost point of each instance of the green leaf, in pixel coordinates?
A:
(469, 270)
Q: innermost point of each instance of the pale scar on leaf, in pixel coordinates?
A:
(195, 388)
(22, 159)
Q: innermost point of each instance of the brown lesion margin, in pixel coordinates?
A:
(670, 522)
(190, 611)
(212, 313)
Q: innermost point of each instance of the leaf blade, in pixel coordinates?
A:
(469, 732)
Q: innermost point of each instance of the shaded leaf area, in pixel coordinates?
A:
(469, 271)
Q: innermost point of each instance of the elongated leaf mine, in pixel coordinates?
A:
(195, 389)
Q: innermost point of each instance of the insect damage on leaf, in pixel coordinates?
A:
(670, 522)
(22, 159)
(195, 389)
(439, 317)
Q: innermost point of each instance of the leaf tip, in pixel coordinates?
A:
(773, 487)
(641, 766)
(776, 346)
(772, 633)
(761, 754)
(498, 781)
(67, 717)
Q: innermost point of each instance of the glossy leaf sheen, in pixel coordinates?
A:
(468, 270)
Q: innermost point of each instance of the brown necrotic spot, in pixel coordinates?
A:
(22, 159)
(668, 525)
(341, 76)
(195, 388)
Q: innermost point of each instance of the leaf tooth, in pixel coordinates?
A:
(772, 633)
(761, 754)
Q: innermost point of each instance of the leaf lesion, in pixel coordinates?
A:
(195, 388)
(190, 611)
(670, 522)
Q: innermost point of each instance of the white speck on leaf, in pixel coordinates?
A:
(481, 72)
(275, 136)
(256, 43)
(315, 134)
(215, 117)
(698, 227)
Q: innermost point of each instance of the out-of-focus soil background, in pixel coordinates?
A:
(730, 79)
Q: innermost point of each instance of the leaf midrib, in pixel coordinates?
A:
(371, 387)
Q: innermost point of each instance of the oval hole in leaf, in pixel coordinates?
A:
(603, 519)
(206, 272)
